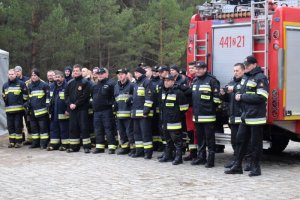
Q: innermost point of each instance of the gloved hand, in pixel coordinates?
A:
(129, 101)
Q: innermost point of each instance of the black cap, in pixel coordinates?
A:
(140, 70)
(170, 77)
(123, 70)
(101, 70)
(163, 68)
(155, 68)
(182, 71)
(200, 64)
(175, 67)
(250, 60)
(35, 72)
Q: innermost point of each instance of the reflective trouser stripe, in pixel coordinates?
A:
(100, 146)
(125, 145)
(204, 118)
(54, 141)
(74, 141)
(12, 136)
(35, 136)
(19, 136)
(148, 145)
(14, 108)
(139, 144)
(86, 141)
(254, 121)
(44, 136)
(65, 141)
(40, 111)
(174, 126)
(111, 146)
(156, 139)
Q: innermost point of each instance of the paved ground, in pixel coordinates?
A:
(36, 174)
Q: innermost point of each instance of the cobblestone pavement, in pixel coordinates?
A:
(38, 174)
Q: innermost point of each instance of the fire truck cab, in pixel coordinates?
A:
(223, 33)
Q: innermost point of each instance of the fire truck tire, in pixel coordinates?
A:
(278, 144)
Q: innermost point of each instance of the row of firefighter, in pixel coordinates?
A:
(140, 114)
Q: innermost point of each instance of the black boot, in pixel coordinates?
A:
(97, 150)
(231, 163)
(139, 152)
(255, 169)
(148, 153)
(123, 151)
(210, 160)
(178, 157)
(201, 158)
(248, 165)
(132, 152)
(167, 155)
(192, 155)
(235, 169)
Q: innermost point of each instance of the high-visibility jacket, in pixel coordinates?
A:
(15, 93)
(39, 98)
(205, 98)
(123, 99)
(142, 98)
(172, 105)
(255, 93)
(58, 106)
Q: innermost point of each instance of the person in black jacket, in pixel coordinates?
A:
(228, 95)
(15, 94)
(172, 105)
(142, 112)
(205, 95)
(123, 101)
(104, 122)
(253, 97)
(59, 122)
(39, 94)
(77, 97)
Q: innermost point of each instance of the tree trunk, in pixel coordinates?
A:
(34, 29)
(161, 38)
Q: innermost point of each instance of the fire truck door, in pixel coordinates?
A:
(292, 71)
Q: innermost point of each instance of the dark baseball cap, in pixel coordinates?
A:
(163, 68)
(250, 60)
(170, 77)
(122, 70)
(182, 71)
(155, 68)
(200, 64)
(101, 70)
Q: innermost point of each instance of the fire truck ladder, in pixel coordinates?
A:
(201, 44)
(260, 20)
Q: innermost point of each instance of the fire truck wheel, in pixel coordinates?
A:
(278, 144)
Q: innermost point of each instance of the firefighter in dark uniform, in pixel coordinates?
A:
(253, 97)
(77, 96)
(39, 99)
(228, 95)
(173, 104)
(123, 101)
(156, 130)
(104, 121)
(59, 116)
(205, 94)
(142, 113)
(15, 94)
(68, 73)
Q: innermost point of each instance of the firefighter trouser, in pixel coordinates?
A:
(125, 127)
(143, 133)
(91, 128)
(234, 129)
(174, 136)
(40, 130)
(252, 134)
(205, 133)
(78, 129)
(15, 127)
(59, 133)
(156, 130)
(104, 124)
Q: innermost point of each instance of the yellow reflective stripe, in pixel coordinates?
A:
(237, 120)
(100, 146)
(206, 97)
(37, 93)
(74, 141)
(251, 83)
(44, 136)
(171, 97)
(54, 141)
(65, 141)
(217, 100)
(205, 88)
(122, 97)
(148, 145)
(157, 110)
(61, 95)
(19, 136)
(204, 118)
(174, 126)
(184, 107)
(170, 104)
(192, 146)
(40, 111)
(148, 103)
(254, 121)
(263, 93)
(35, 136)
(123, 113)
(249, 92)
(12, 136)
(25, 97)
(139, 144)
(156, 139)
(141, 91)
(86, 141)
(14, 108)
(63, 116)
(125, 145)
(111, 146)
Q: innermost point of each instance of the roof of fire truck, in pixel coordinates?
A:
(217, 8)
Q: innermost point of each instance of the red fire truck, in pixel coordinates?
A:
(223, 33)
